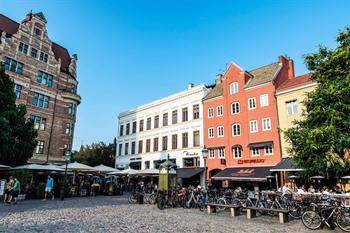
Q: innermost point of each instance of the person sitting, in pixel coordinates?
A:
(286, 189)
(311, 189)
(301, 190)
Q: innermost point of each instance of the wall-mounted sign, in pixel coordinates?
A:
(190, 154)
(242, 161)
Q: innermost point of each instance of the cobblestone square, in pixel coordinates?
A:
(114, 214)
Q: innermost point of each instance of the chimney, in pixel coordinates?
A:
(288, 64)
(218, 79)
(190, 86)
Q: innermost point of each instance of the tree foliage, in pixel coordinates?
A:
(96, 154)
(320, 142)
(17, 135)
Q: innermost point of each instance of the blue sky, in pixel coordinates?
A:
(133, 52)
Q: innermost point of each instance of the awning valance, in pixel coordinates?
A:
(188, 172)
(260, 144)
(286, 164)
(243, 174)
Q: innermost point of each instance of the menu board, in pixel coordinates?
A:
(2, 187)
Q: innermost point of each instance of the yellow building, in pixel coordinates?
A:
(290, 96)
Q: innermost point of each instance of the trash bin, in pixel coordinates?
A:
(140, 198)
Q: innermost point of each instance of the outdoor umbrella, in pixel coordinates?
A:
(78, 167)
(105, 169)
(39, 167)
(4, 167)
(128, 171)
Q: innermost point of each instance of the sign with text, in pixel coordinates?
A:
(242, 161)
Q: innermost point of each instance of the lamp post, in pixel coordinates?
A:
(68, 155)
(205, 156)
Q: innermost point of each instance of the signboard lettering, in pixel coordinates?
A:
(242, 161)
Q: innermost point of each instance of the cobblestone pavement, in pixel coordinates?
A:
(114, 214)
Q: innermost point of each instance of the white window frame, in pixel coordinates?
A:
(211, 129)
(251, 107)
(290, 104)
(218, 132)
(221, 155)
(211, 153)
(217, 110)
(233, 131)
(239, 109)
(267, 119)
(234, 91)
(210, 110)
(250, 126)
(264, 100)
(255, 149)
(265, 150)
(234, 152)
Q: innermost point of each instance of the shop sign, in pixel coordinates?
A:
(190, 154)
(244, 172)
(242, 161)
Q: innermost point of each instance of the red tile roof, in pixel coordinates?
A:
(10, 27)
(298, 81)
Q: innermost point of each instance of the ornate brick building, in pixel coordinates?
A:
(45, 81)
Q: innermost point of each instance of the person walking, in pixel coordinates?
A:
(15, 191)
(49, 188)
(8, 190)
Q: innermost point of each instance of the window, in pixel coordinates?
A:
(196, 138)
(236, 130)
(34, 53)
(235, 108)
(40, 100)
(174, 117)
(211, 132)
(69, 129)
(149, 121)
(39, 122)
(43, 57)
(165, 119)
(120, 149)
(72, 109)
(252, 103)
(220, 131)
(127, 129)
(23, 48)
(155, 144)
(233, 88)
(266, 122)
(133, 148)
(148, 145)
(146, 164)
(184, 114)
(255, 151)
(140, 147)
(292, 107)
(121, 130)
(253, 126)
(174, 141)
(219, 111)
(40, 147)
(221, 152)
(268, 150)
(264, 100)
(134, 127)
(211, 153)
(210, 112)
(37, 31)
(141, 126)
(13, 65)
(156, 122)
(44, 78)
(165, 143)
(18, 91)
(237, 152)
(126, 152)
(184, 140)
(73, 88)
(191, 162)
(196, 111)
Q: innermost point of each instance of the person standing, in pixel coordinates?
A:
(8, 190)
(15, 190)
(49, 188)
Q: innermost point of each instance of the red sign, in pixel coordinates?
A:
(242, 161)
(244, 172)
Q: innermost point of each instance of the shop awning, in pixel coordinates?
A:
(286, 164)
(260, 144)
(188, 172)
(243, 174)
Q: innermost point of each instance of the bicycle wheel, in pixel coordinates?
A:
(221, 201)
(160, 203)
(343, 221)
(273, 206)
(295, 211)
(132, 198)
(311, 220)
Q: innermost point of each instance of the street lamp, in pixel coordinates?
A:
(68, 155)
(205, 156)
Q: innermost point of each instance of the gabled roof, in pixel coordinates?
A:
(11, 27)
(263, 74)
(298, 81)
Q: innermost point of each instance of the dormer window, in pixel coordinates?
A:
(37, 31)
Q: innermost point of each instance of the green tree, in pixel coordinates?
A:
(17, 136)
(320, 142)
(95, 154)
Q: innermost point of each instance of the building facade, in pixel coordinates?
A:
(241, 118)
(290, 96)
(171, 126)
(45, 80)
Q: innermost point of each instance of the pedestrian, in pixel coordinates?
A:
(15, 191)
(8, 190)
(49, 188)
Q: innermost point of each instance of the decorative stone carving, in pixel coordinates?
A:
(73, 65)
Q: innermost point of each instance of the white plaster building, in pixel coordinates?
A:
(169, 126)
